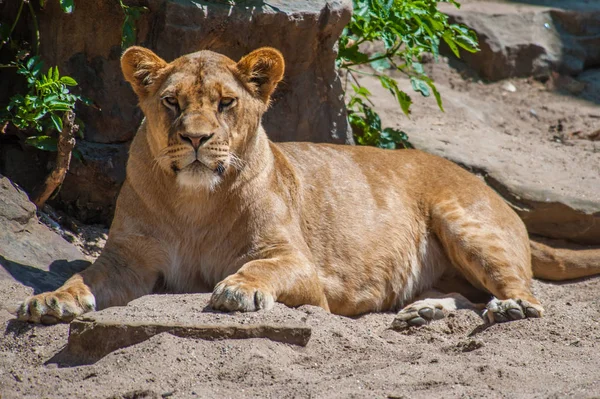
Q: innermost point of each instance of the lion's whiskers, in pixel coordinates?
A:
(236, 161)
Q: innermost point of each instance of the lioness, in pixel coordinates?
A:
(209, 203)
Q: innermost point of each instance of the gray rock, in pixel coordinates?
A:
(30, 252)
(91, 187)
(554, 187)
(524, 40)
(97, 334)
(591, 79)
(307, 106)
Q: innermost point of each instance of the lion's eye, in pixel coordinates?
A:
(226, 102)
(170, 102)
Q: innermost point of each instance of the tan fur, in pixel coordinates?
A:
(350, 229)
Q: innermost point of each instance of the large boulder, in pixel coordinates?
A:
(529, 40)
(553, 183)
(307, 106)
(31, 254)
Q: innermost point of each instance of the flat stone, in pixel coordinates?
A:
(530, 40)
(97, 334)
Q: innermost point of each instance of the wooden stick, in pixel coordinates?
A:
(66, 143)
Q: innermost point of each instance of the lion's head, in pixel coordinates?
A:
(202, 109)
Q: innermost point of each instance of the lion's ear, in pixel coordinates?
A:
(140, 67)
(261, 70)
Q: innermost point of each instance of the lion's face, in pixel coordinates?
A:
(202, 109)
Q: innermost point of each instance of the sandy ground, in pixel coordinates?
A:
(556, 356)
(553, 357)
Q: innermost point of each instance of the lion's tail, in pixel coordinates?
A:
(566, 262)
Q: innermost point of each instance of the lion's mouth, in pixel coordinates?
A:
(197, 166)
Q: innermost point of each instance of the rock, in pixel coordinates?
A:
(509, 87)
(22, 237)
(97, 334)
(30, 252)
(91, 187)
(308, 105)
(542, 193)
(524, 40)
(554, 187)
(591, 79)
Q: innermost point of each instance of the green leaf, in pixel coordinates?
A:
(128, 33)
(436, 94)
(420, 86)
(372, 118)
(67, 6)
(69, 81)
(361, 91)
(408, 29)
(56, 76)
(45, 143)
(393, 138)
(353, 55)
(418, 68)
(405, 101)
(403, 98)
(37, 67)
(450, 42)
(59, 106)
(381, 65)
(389, 39)
(57, 121)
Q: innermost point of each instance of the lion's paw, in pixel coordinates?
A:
(418, 313)
(500, 311)
(236, 294)
(55, 307)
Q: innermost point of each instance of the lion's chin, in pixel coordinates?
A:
(198, 177)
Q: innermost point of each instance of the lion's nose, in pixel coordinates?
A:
(196, 140)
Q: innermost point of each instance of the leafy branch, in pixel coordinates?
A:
(132, 14)
(42, 107)
(39, 115)
(407, 29)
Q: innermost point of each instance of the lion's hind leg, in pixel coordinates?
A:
(434, 305)
(488, 245)
(499, 311)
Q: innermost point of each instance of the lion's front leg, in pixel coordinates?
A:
(116, 278)
(64, 304)
(260, 283)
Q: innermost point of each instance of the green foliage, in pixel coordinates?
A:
(407, 29)
(132, 14)
(67, 6)
(42, 107)
(48, 94)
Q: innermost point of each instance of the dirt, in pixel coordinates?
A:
(459, 356)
